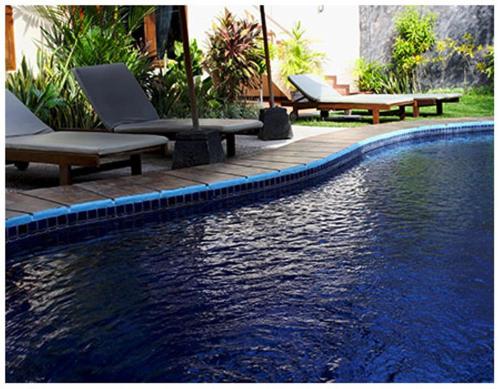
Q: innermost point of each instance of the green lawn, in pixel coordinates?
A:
(474, 103)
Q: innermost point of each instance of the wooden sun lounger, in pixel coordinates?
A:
(123, 107)
(325, 98)
(315, 93)
(28, 139)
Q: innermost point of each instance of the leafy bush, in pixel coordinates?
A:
(168, 87)
(52, 93)
(415, 37)
(370, 75)
(234, 58)
(297, 57)
(97, 35)
(487, 63)
(169, 90)
(78, 39)
(443, 52)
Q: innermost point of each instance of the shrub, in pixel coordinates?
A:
(415, 36)
(169, 90)
(40, 93)
(77, 39)
(297, 57)
(444, 51)
(234, 57)
(370, 75)
(97, 35)
(486, 64)
(52, 93)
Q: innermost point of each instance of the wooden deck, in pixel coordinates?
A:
(300, 152)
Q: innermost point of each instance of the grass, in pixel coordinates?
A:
(476, 102)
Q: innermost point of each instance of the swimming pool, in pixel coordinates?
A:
(382, 273)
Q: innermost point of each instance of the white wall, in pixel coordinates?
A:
(334, 30)
(27, 33)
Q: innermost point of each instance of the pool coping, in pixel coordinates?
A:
(60, 217)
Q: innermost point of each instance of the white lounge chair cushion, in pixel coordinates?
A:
(314, 87)
(433, 96)
(92, 143)
(371, 99)
(180, 125)
(318, 90)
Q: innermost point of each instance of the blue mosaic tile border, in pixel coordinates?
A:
(25, 226)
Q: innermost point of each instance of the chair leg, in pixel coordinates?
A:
(439, 107)
(64, 175)
(230, 145)
(135, 164)
(376, 116)
(402, 112)
(164, 149)
(416, 109)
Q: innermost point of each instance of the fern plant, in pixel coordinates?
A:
(297, 57)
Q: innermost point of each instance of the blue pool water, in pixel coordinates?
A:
(382, 273)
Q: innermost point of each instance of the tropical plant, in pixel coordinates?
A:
(297, 57)
(77, 36)
(233, 59)
(51, 93)
(169, 90)
(415, 37)
(486, 64)
(443, 52)
(88, 35)
(467, 50)
(370, 75)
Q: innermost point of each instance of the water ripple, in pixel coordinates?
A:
(382, 274)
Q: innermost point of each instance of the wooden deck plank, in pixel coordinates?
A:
(18, 202)
(201, 176)
(261, 164)
(158, 181)
(301, 153)
(64, 195)
(313, 147)
(271, 157)
(235, 170)
(339, 138)
(9, 214)
(114, 188)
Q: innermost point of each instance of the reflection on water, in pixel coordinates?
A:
(384, 273)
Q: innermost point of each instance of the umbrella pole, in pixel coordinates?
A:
(189, 68)
(266, 53)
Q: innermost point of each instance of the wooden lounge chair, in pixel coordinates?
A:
(316, 93)
(28, 139)
(123, 107)
(280, 95)
(431, 99)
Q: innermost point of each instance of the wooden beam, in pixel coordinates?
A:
(10, 48)
(150, 34)
(189, 67)
(266, 55)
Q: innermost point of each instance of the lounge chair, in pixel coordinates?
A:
(28, 139)
(316, 93)
(123, 107)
